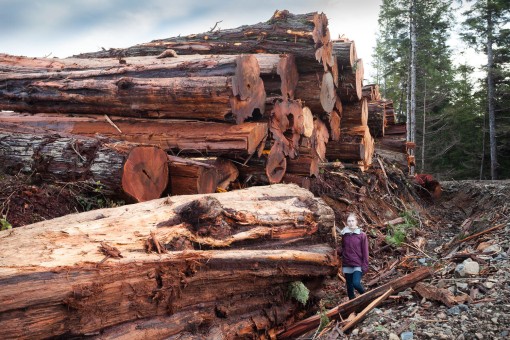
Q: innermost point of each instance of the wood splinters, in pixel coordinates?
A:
(154, 244)
(109, 251)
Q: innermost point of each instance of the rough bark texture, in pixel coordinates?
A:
(299, 34)
(351, 83)
(185, 137)
(138, 171)
(229, 274)
(345, 53)
(317, 91)
(194, 87)
(355, 114)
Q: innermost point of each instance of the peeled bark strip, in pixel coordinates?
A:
(186, 137)
(229, 259)
(334, 124)
(139, 172)
(288, 122)
(299, 34)
(276, 164)
(351, 83)
(355, 114)
(193, 87)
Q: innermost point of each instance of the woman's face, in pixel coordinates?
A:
(352, 223)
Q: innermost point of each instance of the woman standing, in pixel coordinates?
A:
(354, 254)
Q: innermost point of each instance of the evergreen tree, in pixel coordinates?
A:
(484, 23)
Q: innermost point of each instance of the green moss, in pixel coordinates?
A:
(298, 291)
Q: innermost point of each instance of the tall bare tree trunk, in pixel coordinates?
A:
(490, 96)
(412, 124)
(424, 129)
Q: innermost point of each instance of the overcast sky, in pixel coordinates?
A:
(37, 28)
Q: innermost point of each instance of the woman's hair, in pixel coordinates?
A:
(353, 215)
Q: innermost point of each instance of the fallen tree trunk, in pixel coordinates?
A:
(188, 177)
(186, 137)
(303, 35)
(107, 279)
(194, 87)
(138, 172)
(357, 304)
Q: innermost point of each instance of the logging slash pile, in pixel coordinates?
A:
(269, 103)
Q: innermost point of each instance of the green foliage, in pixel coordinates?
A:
(298, 291)
(398, 233)
(324, 320)
(94, 198)
(4, 224)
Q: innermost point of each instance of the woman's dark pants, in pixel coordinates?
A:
(354, 282)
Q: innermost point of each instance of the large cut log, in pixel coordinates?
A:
(371, 92)
(188, 177)
(185, 137)
(356, 139)
(355, 114)
(351, 83)
(376, 119)
(357, 304)
(337, 150)
(139, 172)
(303, 35)
(317, 91)
(345, 52)
(120, 267)
(194, 87)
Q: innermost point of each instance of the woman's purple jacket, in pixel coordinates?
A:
(354, 250)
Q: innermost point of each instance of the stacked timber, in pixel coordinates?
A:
(267, 97)
(390, 136)
(215, 266)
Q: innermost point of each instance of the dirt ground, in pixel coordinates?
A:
(435, 240)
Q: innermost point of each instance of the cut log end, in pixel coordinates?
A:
(145, 174)
(276, 165)
(328, 95)
(287, 70)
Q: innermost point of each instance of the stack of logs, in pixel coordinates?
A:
(264, 103)
(390, 136)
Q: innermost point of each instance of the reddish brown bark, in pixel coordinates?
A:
(135, 171)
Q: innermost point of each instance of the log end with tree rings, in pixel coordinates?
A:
(321, 25)
(145, 174)
(320, 138)
(289, 76)
(307, 122)
(334, 123)
(276, 164)
(328, 94)
(334, 69)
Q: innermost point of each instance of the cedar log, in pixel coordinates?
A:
(194, 87)
(240, 246)
(186, 137)
(139, 172)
